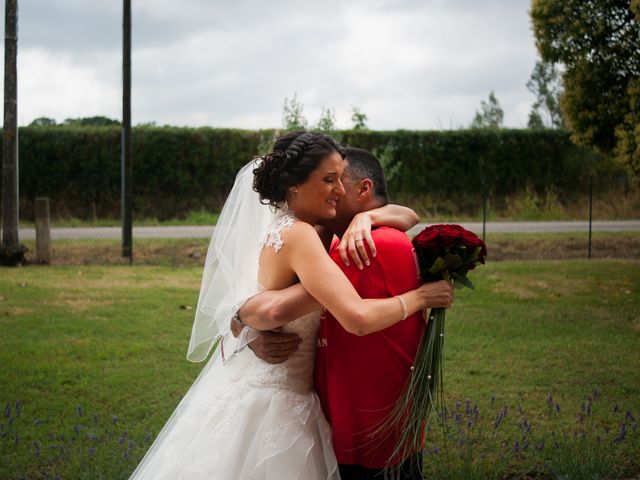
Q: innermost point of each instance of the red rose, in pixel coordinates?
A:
(450, 234)
(429, 238)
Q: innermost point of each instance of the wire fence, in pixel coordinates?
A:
(604, 222)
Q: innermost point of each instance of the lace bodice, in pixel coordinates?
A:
(296, 373)
(284, 219)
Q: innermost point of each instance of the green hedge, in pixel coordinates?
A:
(177, 170)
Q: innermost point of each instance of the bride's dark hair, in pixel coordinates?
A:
(295, 155)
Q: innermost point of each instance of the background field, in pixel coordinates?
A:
(93, 363)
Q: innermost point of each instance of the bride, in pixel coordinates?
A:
(245, 418)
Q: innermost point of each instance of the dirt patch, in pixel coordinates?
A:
(15, 312)
(174, 253)
(563, 248)
(192, 252)
(79, 304)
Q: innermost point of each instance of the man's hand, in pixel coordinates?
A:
(275, 346)
(438, 294)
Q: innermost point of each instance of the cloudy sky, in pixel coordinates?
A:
(416, 64)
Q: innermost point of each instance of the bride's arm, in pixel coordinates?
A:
(274, 308)
(324, 280)
(396, 216)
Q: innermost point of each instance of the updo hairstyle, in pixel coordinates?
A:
(295, 155)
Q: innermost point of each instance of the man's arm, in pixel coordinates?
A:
(272, 347)
(272, 309)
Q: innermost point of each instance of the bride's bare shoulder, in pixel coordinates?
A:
(301, 234)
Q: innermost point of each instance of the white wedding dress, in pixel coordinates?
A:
(247, 419)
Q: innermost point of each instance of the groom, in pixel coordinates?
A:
(358, 379)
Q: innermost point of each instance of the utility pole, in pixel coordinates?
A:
(11, 252)
(126, 160)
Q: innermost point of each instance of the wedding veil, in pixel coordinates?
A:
(231, 269)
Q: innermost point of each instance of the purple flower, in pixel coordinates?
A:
(558, 407)
(629, 416)
(92, 451)
(77, 428)
(114, 419)
(622, 434)
(499, 418)
(79, 410)
(615, 408)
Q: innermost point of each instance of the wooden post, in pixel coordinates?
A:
(126, 161)
(11, 251)
(43, 231)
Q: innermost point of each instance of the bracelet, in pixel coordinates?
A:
(403, 306)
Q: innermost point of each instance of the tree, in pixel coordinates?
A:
(535, 119)
(292, 115)
(596, 43)
(96, 121)
(11, 251)
(327, 121)
(491, 114)
(359, 119)
(545, 84)
(43, 122)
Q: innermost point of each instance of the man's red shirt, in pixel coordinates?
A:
(359, 379)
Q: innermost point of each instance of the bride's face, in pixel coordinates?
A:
(318, 196)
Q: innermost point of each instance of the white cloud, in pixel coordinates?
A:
(406, 63)
(56, 86)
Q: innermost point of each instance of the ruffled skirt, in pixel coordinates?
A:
(234, 424)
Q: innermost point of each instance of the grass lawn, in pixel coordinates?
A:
(93, 363)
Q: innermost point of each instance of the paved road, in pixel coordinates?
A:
(206, 231)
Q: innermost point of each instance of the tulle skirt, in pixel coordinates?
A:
(239, 423)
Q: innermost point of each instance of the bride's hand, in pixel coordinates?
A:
(353, 241)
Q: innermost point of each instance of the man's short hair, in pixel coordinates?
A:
(363, 164)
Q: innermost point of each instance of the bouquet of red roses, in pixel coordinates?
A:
(445, 252)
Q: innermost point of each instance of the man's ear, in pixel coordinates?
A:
(365, 189)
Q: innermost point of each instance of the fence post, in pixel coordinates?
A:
(590, 213)
(484, 215)
(43, 231)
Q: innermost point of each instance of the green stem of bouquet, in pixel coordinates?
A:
(423, 397)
